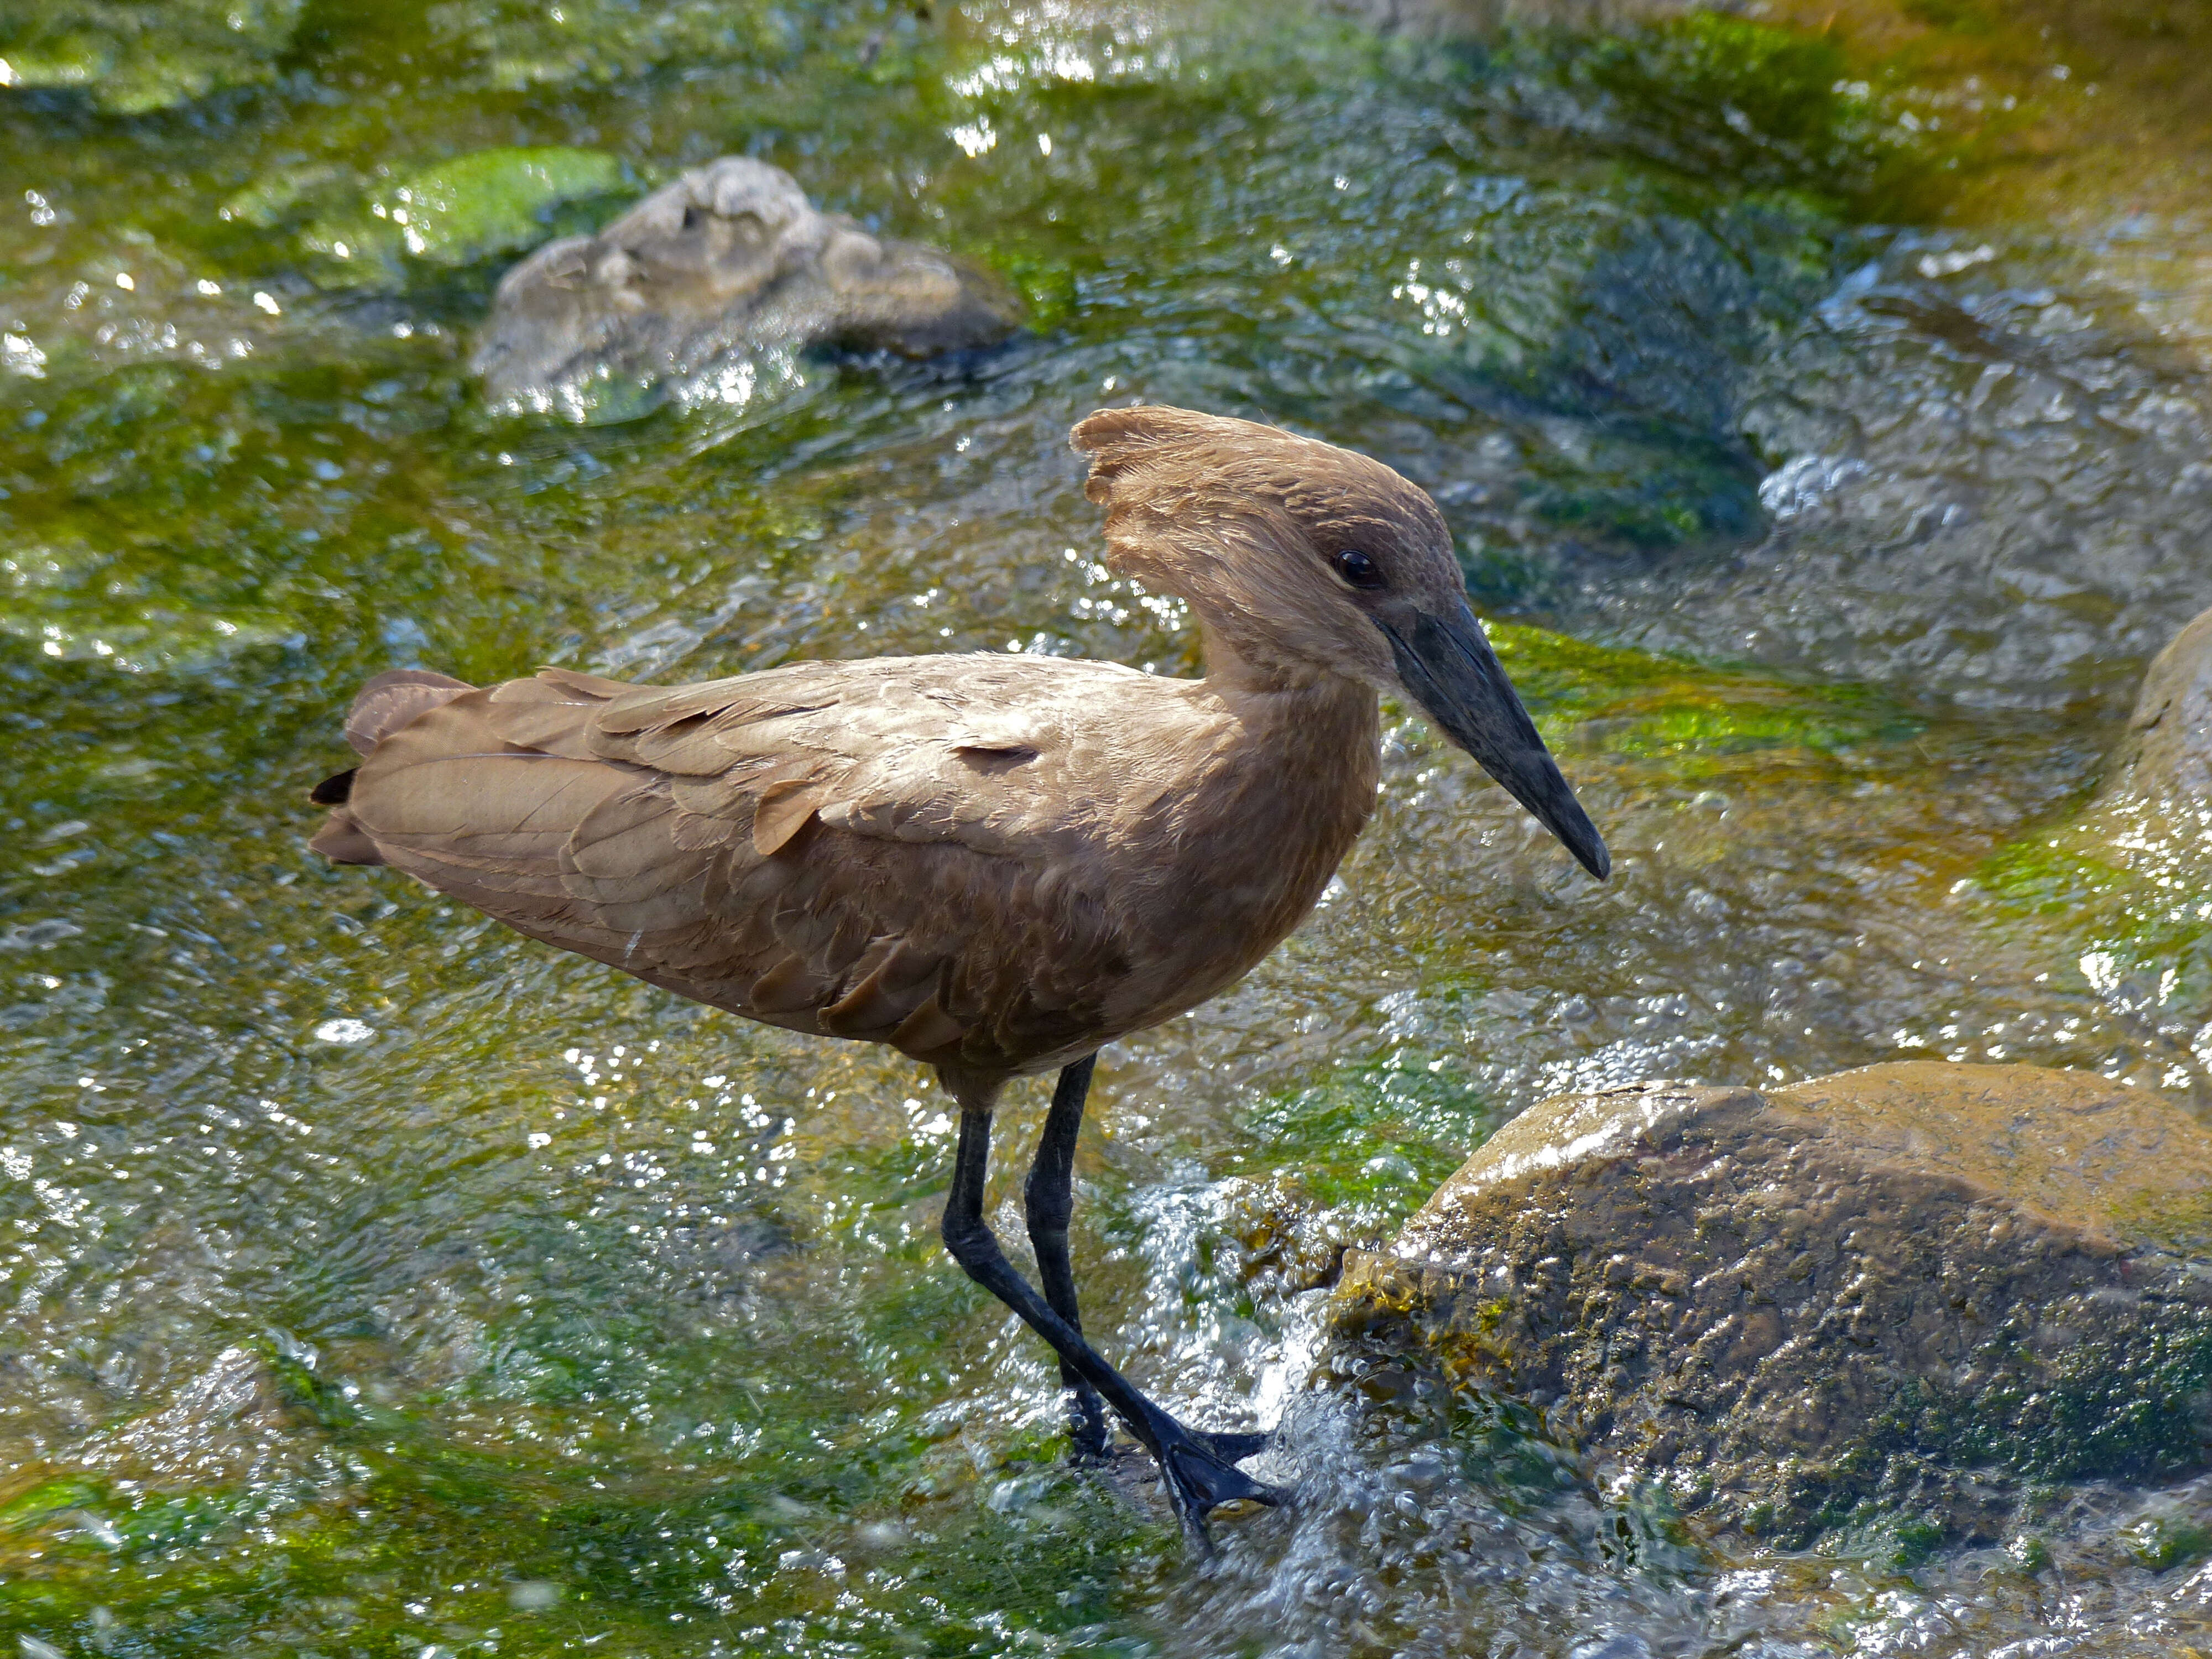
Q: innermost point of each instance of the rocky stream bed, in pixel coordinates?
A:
(1819, 396)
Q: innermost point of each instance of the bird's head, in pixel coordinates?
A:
(1300, 560)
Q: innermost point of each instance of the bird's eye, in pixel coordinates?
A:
(1359, 569)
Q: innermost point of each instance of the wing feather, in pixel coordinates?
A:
(893, 849)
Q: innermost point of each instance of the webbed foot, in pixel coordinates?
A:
(1199, 1473)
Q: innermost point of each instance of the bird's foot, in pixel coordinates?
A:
(1089, 1438)
(1236, 1448)
(1199, 1473)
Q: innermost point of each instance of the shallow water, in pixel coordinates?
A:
(381, 1284)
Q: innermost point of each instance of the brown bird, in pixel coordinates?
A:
(995, 864)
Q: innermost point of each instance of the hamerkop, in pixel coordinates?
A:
(995, 864)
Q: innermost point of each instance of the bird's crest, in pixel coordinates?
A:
(1153, 438)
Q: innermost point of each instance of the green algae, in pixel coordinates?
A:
(606, 40)
(130, 58)
(2121, 897)
(2165, 1542)
(1712, 93)
(1369, 1137)
(458, 1555)
(1694, 723)
(459, 212)
(2042, 112)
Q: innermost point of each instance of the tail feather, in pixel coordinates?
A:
(397, 699)
(385, 705)
(343, 841)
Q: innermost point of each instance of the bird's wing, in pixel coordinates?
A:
(902, 849)
(987, 751)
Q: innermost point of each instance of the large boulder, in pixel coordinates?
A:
(1909, 1293)
(729, 259)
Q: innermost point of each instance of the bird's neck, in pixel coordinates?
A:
(1249, 842)
(1248, 672)
(1309, 738)
(1332, 720)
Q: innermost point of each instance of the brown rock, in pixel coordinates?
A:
(730, 259)
(2166, 760)
(1910, 1289)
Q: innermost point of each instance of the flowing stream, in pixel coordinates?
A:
(378, 1282)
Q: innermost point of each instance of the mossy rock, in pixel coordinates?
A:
(1912, 1290)
(451, 214)
(599, 41)
(129, 58)
(705, 282)
(2124, 884)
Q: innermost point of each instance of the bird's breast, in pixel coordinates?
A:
(1221, 865)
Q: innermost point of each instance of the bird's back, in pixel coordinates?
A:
(987, 861)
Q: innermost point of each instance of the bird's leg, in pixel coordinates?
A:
(1196, 1474)
(1048, 1201)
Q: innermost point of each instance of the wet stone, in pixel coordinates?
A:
(1913, 1294)
(2164, 760)
(229, 1422)
(729, 261)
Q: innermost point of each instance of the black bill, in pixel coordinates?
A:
(1447, 663)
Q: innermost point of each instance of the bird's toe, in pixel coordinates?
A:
(1088, 1439)
(1235, 1448)
(1199, 1481)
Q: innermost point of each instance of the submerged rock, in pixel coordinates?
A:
(1455, 18)
(730, 257)
(230, 1422)
(604, 42)
(1905, 1293)
(1991, 492)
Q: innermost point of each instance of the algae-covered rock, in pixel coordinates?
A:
(450, 213)
(2122, 889)
(730, 257)
(1907, 1291)
(606, 40)
(1974, 498)
(130, 57)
